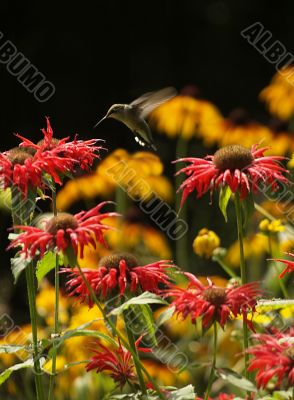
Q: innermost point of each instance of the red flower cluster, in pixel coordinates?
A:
(289, 265)
(24, 166)
(81, 153)
(273, 358)
(64, 231)
(236, 166)
(118, 272)
(214, 303)
(118, 363)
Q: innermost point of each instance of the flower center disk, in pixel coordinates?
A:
(18, 156)
(232, 157)
(215, 296)
(62, 221)
(113, 260)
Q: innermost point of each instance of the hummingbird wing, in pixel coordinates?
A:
(151, 100)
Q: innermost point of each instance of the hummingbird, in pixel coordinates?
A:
(133, 115)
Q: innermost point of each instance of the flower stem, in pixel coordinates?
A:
(121, 200)
(21, 217)
(212, 372)
(182, 257)
(281, 282)
(33, 315)
(56, 310)
(243, 273)
(133, 346)
(117, 333)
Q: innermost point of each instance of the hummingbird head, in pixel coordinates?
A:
(115, 111)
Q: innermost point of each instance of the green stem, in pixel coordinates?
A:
(182, 257)
(56, 310)
(33, 315)
(225, 267)
(117, 333)
(281, 282)
(212, 372)
(243, 274)
(133, 346)
(121, 200)
(20, 217)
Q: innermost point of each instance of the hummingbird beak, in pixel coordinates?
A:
(99, 122)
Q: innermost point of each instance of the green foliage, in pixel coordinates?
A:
(7, 372)
(185, 393)
(18, 264)
(235, 379)
(144, 298)
(224, 197)
(46, 264)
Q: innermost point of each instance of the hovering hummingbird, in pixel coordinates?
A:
(133, 115)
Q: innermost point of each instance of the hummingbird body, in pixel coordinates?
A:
(133, 115)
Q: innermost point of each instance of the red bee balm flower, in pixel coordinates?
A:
(81, 153)
(64, 231)
(274, 358)
(118, 363)
(118, 272)
(236, 166)
(214, 303)
(289, 265)
(19, 168)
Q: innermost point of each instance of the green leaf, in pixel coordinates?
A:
(7, 372)
(81, 332)
(235, 379)
(144, 298)
(185, 393)
(69, 257)
(248, 208)
(224, 197)
(165, 316)
(12, 348)
(45, 265)
(275, 304)
(18, 264)
(141, 322)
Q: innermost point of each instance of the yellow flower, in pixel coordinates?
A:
(60, 364)
(267, 226)
(238, 128)
(133, 237)
(287, 246)
(205, 243)
(187, 117)
(279, 94)
(139, 174)
(254, 246)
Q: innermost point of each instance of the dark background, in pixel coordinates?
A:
(98, 53)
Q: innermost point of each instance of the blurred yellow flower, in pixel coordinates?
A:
(267, 226)
(205, 243)
(279, 94)
(60, 364)
(254, 246)
(139, 174)
(287, 246)
(45, 302)
(239, 128)
(166, 375)
(187, 117)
